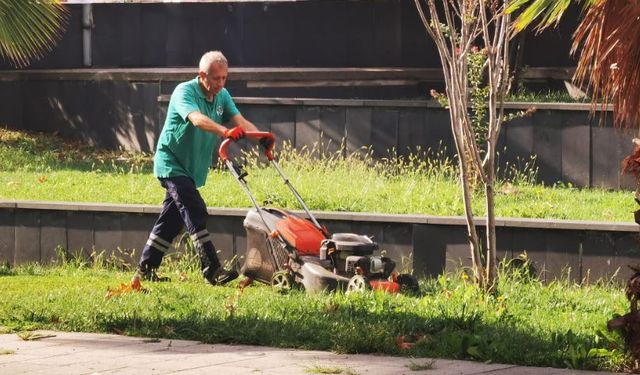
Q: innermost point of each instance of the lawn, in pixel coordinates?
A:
(36, 167)
(526, 322)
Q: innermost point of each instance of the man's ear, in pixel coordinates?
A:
(202, 75)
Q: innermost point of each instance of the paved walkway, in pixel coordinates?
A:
(97, 354)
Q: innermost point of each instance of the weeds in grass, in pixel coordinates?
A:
(6, 351)
(5, 269)
(151, 341)
(33, 336)
(427, 365)
(321, 369)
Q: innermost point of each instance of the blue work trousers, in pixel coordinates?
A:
(182, 206)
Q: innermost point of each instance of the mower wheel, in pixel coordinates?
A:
(408, 283)
(282, 281)
(358, 284)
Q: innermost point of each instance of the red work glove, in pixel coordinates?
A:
(234, 133)
(268, 142)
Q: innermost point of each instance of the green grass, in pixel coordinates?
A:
(36, 167)
(526, 322)
(543, 97)
(320, 369)
(428, 365)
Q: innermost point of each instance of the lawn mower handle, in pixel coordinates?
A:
(222, 151)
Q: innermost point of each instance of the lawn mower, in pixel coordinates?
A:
(287, 250)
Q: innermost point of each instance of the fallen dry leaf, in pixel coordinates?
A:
(134, 286)
(406, 342)
(245, 283)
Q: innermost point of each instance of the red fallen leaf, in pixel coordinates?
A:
(42, 179)
(134, 286)
(402, 345)
(408, 342)
(245, 283)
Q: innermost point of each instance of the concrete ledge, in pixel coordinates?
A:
(341, 216)
(235, 74)
(33, 231)
(398, 103)
(260, 74)
(8, 204)
(556, 106)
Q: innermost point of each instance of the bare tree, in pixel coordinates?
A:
(459, 28)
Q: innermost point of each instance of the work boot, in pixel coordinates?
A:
(149, 274)
(218, 275)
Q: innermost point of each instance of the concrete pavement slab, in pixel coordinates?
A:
(71, 353)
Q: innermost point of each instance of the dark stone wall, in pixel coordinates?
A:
(103, 113)
(326, 33)
(580, 253)
(564, 146)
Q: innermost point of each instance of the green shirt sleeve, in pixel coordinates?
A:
(185, 101)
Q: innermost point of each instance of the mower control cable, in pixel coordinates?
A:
(298, 197)
(240, 176)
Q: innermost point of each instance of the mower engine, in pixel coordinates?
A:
(352, 254)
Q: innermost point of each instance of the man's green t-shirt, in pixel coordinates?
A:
(183, 149)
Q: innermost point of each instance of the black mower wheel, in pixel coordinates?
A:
(282, 281)
(408, 284)
(358, 284)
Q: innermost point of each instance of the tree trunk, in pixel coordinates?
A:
(472, 233)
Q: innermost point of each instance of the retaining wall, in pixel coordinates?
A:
(31, 231)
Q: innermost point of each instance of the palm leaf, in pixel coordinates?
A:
(610, 58)
(29, 29)
(544, 13)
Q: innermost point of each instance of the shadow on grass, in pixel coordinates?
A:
(467, 338)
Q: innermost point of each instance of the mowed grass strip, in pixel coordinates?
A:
(43, 167)
(560, 324)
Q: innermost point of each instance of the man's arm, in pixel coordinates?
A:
(203, 122)
(246, 125)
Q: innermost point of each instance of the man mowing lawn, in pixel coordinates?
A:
(197, 110)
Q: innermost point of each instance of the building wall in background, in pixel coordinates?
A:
(326, 33)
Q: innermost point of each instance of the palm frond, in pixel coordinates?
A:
(29, 29)
(610, 57)
(542, 13)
